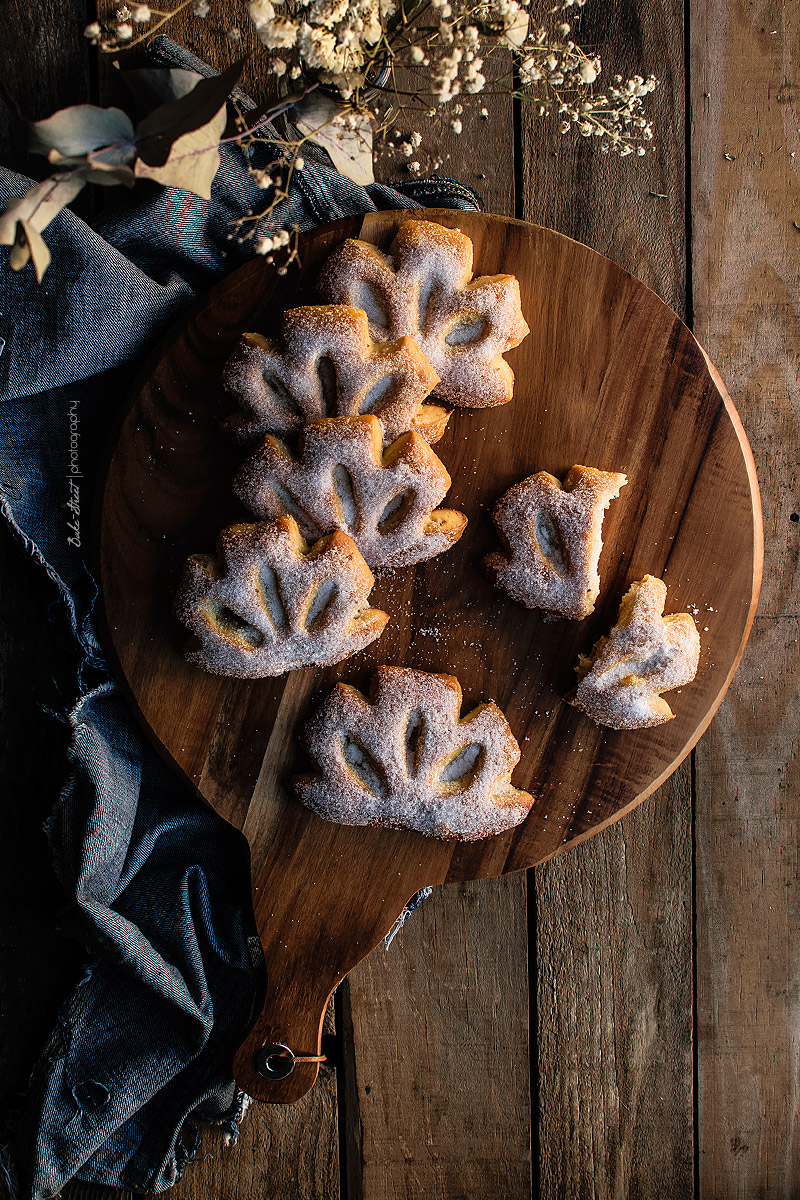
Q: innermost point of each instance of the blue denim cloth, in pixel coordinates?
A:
(157, 884)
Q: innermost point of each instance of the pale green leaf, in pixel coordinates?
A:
(82, 128)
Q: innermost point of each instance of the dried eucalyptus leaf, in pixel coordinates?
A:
(157, 133)
(80, 129)
(20, 254)
(24, 217)
(39, 205)
(100, 167)
(350, 150)
(37, 249)
(160, 85)
(193, 161)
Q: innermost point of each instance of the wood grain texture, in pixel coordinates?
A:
(444, 1114)
(609, 376)
(46, 67)
(454, 978)
(614, 917)
(745, 198)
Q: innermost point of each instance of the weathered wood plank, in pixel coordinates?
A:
(746, 270)
(437, 1086)
(436, 1076)
(613, 917)
(46, 66)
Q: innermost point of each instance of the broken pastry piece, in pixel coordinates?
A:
(405, 758)
(620, 681)
(343, 479)
(268, 603)
(326, 365)
(423, 289)
(552, 539)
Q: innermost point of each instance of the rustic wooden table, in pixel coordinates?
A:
(623, 1021)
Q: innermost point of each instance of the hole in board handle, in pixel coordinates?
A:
(274, 1061)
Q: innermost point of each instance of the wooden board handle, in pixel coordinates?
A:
(322, 901)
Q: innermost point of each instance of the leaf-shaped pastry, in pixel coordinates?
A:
(342, 479)
(424, 289)
(268, 603)
(407, 759)
(552, 538)
(327, 365)
(620, 681)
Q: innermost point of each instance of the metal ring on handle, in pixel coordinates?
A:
(274, 1061)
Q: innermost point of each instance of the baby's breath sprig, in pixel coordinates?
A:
(381, 64)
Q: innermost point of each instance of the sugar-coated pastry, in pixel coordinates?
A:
(343, 479)
(268, 603)
(325, 364)
(646, 653)
(552, 540)
(424, 289)
(407, 759)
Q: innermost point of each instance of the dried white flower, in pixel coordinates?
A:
(278, 34)
(140, 13)
(328, 12)
(261, 11)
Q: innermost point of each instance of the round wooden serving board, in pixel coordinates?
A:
(609, 377)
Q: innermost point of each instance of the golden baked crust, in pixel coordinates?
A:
(327, 365)
(552, 538)
(644, 654)
(424, 289)
(342, 479)
(406, 758)
(268, 603)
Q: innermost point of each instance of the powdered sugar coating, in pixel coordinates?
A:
(646, 653)
(424, 289)
(269, 603)
(552, 536)
(327, 365)
(342, 479)
(388, 760)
